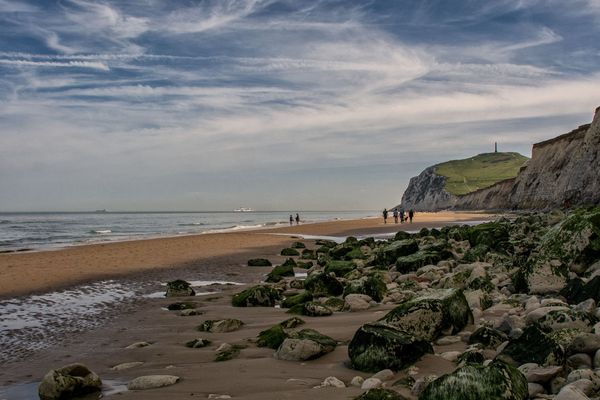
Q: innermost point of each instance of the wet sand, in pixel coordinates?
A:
(255, 374)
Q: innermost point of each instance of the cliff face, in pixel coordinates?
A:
(427, 192)
(564, 171)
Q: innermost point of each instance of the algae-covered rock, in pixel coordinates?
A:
(290, 252)
(279, 272)
(259, 262)
(67, 382)
(292, 322)
(564, 319)
(380, 394)
(399, 248)
(322, 284)
(495, 235)
(181, 305)
(325, 242)
(272, 337)
(377, 346)
(497, 381)
(576, 291)
(306, 344)
(221, 326)
(311, 309)
(427, 316)
(357, 254)
(534, 346)
(419, 259)
(297, 299)
(197, 343)
(334, 304)
(372, 285)
(339, 268)
(298, 245)
(488, 337)
(257, 296)
(179, 288)
(227, 351)
(308, 254)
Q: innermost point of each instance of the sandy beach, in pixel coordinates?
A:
(255, 374)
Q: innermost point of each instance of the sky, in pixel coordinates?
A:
(276, 104)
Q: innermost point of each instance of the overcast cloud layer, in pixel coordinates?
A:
(276, 105)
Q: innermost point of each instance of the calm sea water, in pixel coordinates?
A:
(20, 231)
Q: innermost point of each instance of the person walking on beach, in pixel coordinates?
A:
(402, 215)
(291, 220)
(411, 214)
(297, 219)
(385, 213)
(395, 215)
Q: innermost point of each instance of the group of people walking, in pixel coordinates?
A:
(402, 215)
(297, 219)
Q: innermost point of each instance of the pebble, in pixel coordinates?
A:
(357, 381)
(218, 396)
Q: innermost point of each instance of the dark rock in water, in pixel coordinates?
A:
(372, 285)
(220, 326)
(322, 284)
(297, 299)
(311, 309)
(400, 248)
(279, 272)
(198, 343)
(257, 296)
(339, 268)
(419, 259)
(427, 316)
(182, 305)
(290, 252)
(577, 291)
(259, 262)
(308, 254)
(298, 245)
(380, 394)
(69, 381)
(272, 337)
(497, 381)
(377, 346)
(534, 346)
(306, 344)
(179, 288)
(488, 337)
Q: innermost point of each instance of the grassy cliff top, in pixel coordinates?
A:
(483, 170)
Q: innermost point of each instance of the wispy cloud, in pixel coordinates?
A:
(70, 64)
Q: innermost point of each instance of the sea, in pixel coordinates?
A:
(46, 230)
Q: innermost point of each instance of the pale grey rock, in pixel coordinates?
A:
(226, 325)
(332, 381)
(557, 383)
(571, 393)
(371, 383)
(69, 381)
(580, 374)
(138, 345)
(357, 302)
(447, 340)
(384, 375)
(152, 382)
(421, 384)
(538, 313)
(127, 365)
(596, 361)
(534, 389)
(538, 374)
(580, 361)
(218, 396)
(585, 343)
(190, 312)
(588, 306)
(451, 356)
(357, 381)
(298, 350)
(585, 385)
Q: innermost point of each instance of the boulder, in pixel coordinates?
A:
(299, 298)
(339, 268)
(259, 262)
(577, 291)
(280, 272)
(413, 262)
(298, 245)
(290, 252)
(334, 304)
(538, 374)
(67, 382)
(497, 381)
(371, 383)
(373, 286)
(398, 248)
(427, 316)
(179, 288)
(377, 346)
(488, 337)
(357, 302)
(534, 346)
(257, 296)
(227, 351)
(220, 326)
(571, 393)
(152, 382)
(272, 337)
(181, 305)
(306, 344)
(323, 285)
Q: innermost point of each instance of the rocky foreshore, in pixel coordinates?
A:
(511, 305)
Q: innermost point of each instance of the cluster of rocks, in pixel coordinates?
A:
(520, 294)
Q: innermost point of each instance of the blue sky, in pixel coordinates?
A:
(276, 105)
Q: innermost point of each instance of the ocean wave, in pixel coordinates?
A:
(192, 224)
(234, 228)
(101, 231)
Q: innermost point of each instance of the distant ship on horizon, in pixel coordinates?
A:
(101, 211)
(243, 209)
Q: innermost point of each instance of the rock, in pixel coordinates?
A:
(306, 344)
(471, 356)
(179, 288)
(534, 389)
(218, 396)
(357, 302)
(298, 245)
(534, 346)
(323, 285)
(339, 268)
(581, 374)
(596, 361)
(371, 383)
(579, 360)
(198, 343)
(127, 365)
(585, 385)
(380, 394)
(152, 382)
(534, 373)
(377, 346)
(576, 291)
(332, 381)
(421, 383)
(190, 312)
(138, 345)
(419, 259)
(280, 272)
(259, 262)
(585, 343)
(272, 337)
(221, 326)
(335, 304)
(451, 356)
(291, 322)
(561, 319)
(256, 296)
(227, 352)
(488, 337)
(427, 316)
(496, 381)
(398, 248)
(384, 375)
(300, 298)
(311, 309)
(447, 340)
(357, 381)
(69, 381)
(373, 286)
(290, 252)
(571, 393)
(535, 315)
(181, 305)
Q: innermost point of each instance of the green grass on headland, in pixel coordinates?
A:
(483, 170)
